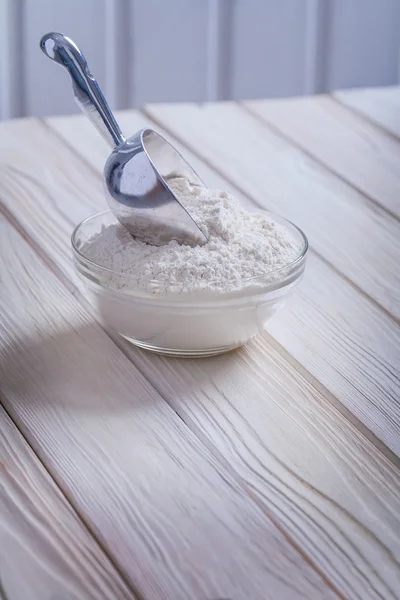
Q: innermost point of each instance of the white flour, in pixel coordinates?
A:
(241, 246)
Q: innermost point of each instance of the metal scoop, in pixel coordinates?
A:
(137, 171)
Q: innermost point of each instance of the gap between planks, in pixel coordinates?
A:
(65, 506)
(327, 167)
(71, 288)
(333, 400)
(363, 115)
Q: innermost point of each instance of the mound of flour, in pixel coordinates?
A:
(241, 246)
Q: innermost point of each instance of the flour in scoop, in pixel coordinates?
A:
(242, 246)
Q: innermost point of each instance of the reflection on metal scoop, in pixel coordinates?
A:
(136, 173)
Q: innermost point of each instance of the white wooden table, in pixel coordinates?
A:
(268, 473)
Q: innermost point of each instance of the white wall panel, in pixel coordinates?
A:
(268, 48)
(363, 43)
(47, 87)
(196, 50)
(169, 57)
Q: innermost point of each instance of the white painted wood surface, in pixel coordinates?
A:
(193, 390)
(380, 105)
(45, 549)
(158, 50)
(271, 450)
(352, 148)
(163, 505)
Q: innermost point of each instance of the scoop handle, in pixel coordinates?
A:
(87, 92)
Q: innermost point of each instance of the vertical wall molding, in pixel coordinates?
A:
(316, 39)
(11, 59)
(219, 46)
(118, 69)
(398, 65)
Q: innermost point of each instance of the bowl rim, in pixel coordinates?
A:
(162, 283)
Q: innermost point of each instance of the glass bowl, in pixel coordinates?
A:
(175, 321)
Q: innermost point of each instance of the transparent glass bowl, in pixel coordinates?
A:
(181, 323)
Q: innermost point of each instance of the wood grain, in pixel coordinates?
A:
(347, 144)
(365, 382)
(358, 238)
(349, 345)
(41, 535)
(299, 457)
(166, 509)
(381, 105)
(306, 463)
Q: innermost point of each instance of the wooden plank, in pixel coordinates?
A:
(349, 345)
(378, 104)
(42, 537)
(363, 382)
(356, 237)
(162, 504)
(354, 149)
(314, 471)
(309, 468)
